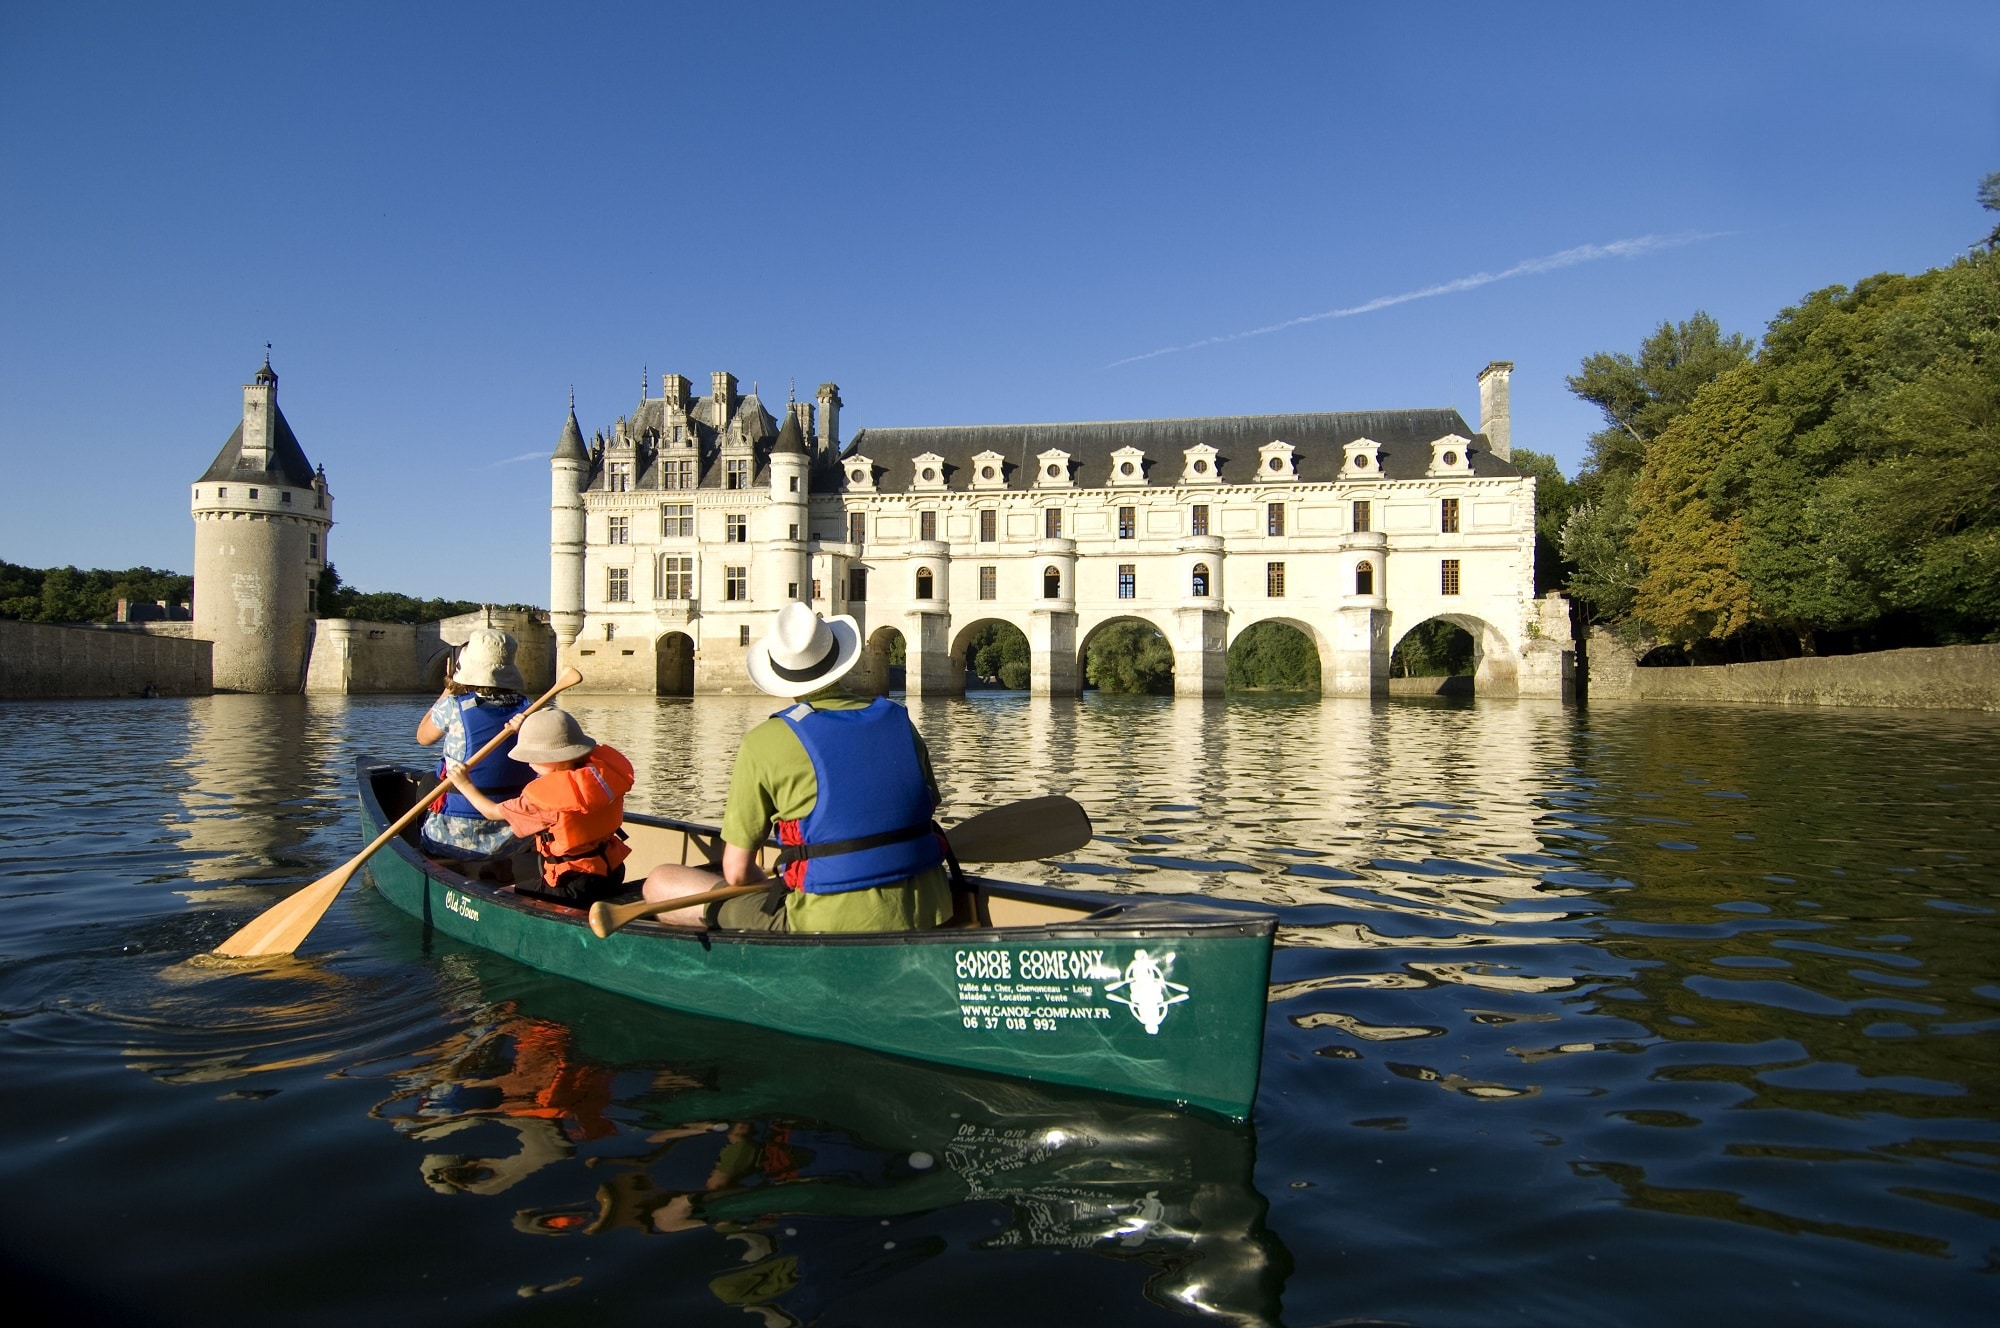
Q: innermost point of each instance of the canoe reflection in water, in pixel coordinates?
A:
(799, 1152)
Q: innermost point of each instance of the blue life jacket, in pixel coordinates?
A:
(871, 823)
(499, 776)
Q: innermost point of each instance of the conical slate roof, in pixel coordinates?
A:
(570, 446)
(288, 459)
(791, 440)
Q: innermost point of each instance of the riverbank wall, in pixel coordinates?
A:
(41, 660)
(1937, 678)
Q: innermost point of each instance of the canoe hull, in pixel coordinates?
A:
(1161, 1000)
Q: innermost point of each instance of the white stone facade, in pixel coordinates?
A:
(1352, 528)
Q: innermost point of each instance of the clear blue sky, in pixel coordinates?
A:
(443, 215)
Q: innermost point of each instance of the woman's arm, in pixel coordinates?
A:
(427, 730)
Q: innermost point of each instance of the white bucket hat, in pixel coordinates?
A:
(804, 652)
(550, 736)
(487, 660)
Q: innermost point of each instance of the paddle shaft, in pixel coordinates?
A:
(280, 928)
(1016, 832)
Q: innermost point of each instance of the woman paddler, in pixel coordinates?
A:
(847, 785)
(482, 693)
(570, 815)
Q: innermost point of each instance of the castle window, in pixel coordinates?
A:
(1128, 581)
(1052, 523)
(1274, 518)
(989, 525)
(312, 547)
(1128, 522)
(610, 632)
(1448, 576)
(736, 473)
(618, 530)
(857, 528)
(618, 585)
(1448, 516)
(989, 583)
(815, 588)
(253, 493)
(677, 520)
(222, 492)
(927, 524)
(617, 476)
(1052, 583)
(1364, 578)
(857, 585)
(1200, 587)
(925, 586)
(312, 599)
(743, 635)
(792, 533)
(795, 484)
(676, 577)
(1274, 580)
(677, 474)
(1198, 519)
(736, 583)
(1361, 517)
(736, 529)
(285, 496)
(791, 590)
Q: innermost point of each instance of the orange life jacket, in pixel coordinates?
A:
(589, 806)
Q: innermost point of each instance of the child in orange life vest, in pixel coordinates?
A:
(569, 815)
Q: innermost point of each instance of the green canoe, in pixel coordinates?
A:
(1149, 998)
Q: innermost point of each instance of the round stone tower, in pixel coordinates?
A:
(569, 470)
(261, 516)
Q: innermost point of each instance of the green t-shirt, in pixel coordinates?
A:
(774, 780)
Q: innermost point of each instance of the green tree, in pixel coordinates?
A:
(1433, 648)
(1989, 198)
(1639, 397)
(999, 653)
(1129, 657)
(1273, 656)
(337, 599)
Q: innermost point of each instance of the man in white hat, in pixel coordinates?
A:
(847, 784)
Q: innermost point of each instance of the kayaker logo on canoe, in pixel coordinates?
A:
(1146, 991)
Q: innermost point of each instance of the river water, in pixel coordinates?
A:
(1633, 1016)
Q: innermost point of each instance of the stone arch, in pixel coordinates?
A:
(875, 675)
(962, 639)
(673, 665)
(1495, 664)
(438, 668)
(1322, 640)
(1096, 628)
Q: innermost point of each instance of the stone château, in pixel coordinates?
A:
(676, 537)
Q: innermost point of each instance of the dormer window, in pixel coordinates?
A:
(860, 474)
(1361, 460)
(928, 471)
(989, 471)
(1128, 467)
(1200, 465)
(1274, 461)
(1449, 457)
(1052, 470)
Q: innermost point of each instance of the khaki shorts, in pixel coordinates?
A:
(746, 913)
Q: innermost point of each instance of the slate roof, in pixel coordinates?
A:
(1405, 437)
(570, 446)
(288, 459)
(648, 422)
(791, 439)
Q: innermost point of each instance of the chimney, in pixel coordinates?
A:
(829, 418)
(674, 388)
(1493, 416)
(722, 388)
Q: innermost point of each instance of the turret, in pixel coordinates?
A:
(785, 535)
(1493, 408)
(261, 518)
(569, 466)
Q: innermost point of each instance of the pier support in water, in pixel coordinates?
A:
(1052, 667)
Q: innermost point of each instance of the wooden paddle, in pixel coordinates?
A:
(281, 928)
(1016, 832)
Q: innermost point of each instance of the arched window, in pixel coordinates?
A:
(1200, 589)
(1364, 578)
(1051, 583)
(924, 583)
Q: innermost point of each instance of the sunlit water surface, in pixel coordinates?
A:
(1640, 1016)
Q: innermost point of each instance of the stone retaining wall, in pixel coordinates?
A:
(1942, 678)
(40, 660)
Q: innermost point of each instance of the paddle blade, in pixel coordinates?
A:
(283, 927)
(1022, 831)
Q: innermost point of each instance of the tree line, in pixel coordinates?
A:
(71, 595)
(1832, 487)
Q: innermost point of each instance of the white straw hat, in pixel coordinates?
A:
(804, 652)
(551, 736)
(487, 660)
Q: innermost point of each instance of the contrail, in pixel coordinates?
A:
(516, 460)
(1637, 247)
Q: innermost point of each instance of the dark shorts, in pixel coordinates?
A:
(577, 890)
(748, 912)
